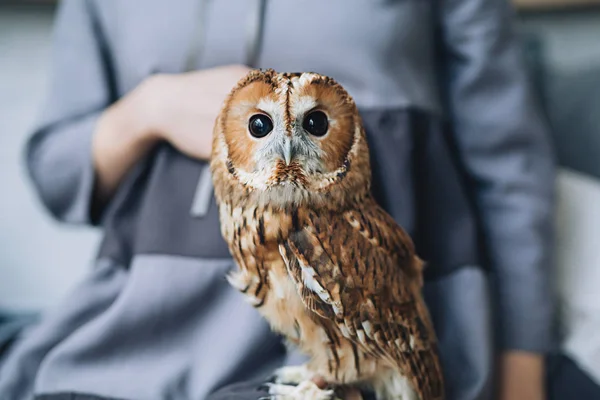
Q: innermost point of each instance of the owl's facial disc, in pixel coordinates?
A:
(289, 136)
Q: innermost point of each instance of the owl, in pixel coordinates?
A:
(328, 268)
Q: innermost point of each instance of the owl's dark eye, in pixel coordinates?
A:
(260, 125)
(316, 123)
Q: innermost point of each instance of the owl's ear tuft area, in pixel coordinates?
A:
(265, 75)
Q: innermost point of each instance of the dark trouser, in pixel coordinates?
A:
(11, 326)
(240, 391)
(566, 381)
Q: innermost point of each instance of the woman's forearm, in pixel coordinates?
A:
(180, 109)
(122, 137)
(521, 376)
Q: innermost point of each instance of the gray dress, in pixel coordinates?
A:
(460, 156)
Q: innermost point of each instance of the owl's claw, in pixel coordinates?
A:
(306, 390)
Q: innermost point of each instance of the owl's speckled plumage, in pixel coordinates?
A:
(319, 258)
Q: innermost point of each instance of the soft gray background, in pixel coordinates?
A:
(40, 260)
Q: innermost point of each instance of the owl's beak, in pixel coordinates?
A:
(287, 151)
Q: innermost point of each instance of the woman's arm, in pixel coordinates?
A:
(521, 376)
(504, 145)
(180, 109)
(86, 142)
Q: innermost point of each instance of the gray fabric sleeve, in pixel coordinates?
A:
(503, 143)
(58, 154)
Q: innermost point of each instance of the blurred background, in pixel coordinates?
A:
(40, 260)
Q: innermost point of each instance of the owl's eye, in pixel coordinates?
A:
(316, 123)
(260, 125)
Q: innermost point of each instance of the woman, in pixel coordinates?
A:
(460, 158)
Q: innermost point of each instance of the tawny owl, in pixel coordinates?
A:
(323, 263)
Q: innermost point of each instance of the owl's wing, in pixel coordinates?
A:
(359, 271)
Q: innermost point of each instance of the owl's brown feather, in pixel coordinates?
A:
(365, 271)
(325, 265)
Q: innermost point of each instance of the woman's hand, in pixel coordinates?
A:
(180, 109)
(521, 376)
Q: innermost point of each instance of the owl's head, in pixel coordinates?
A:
(290, 138)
